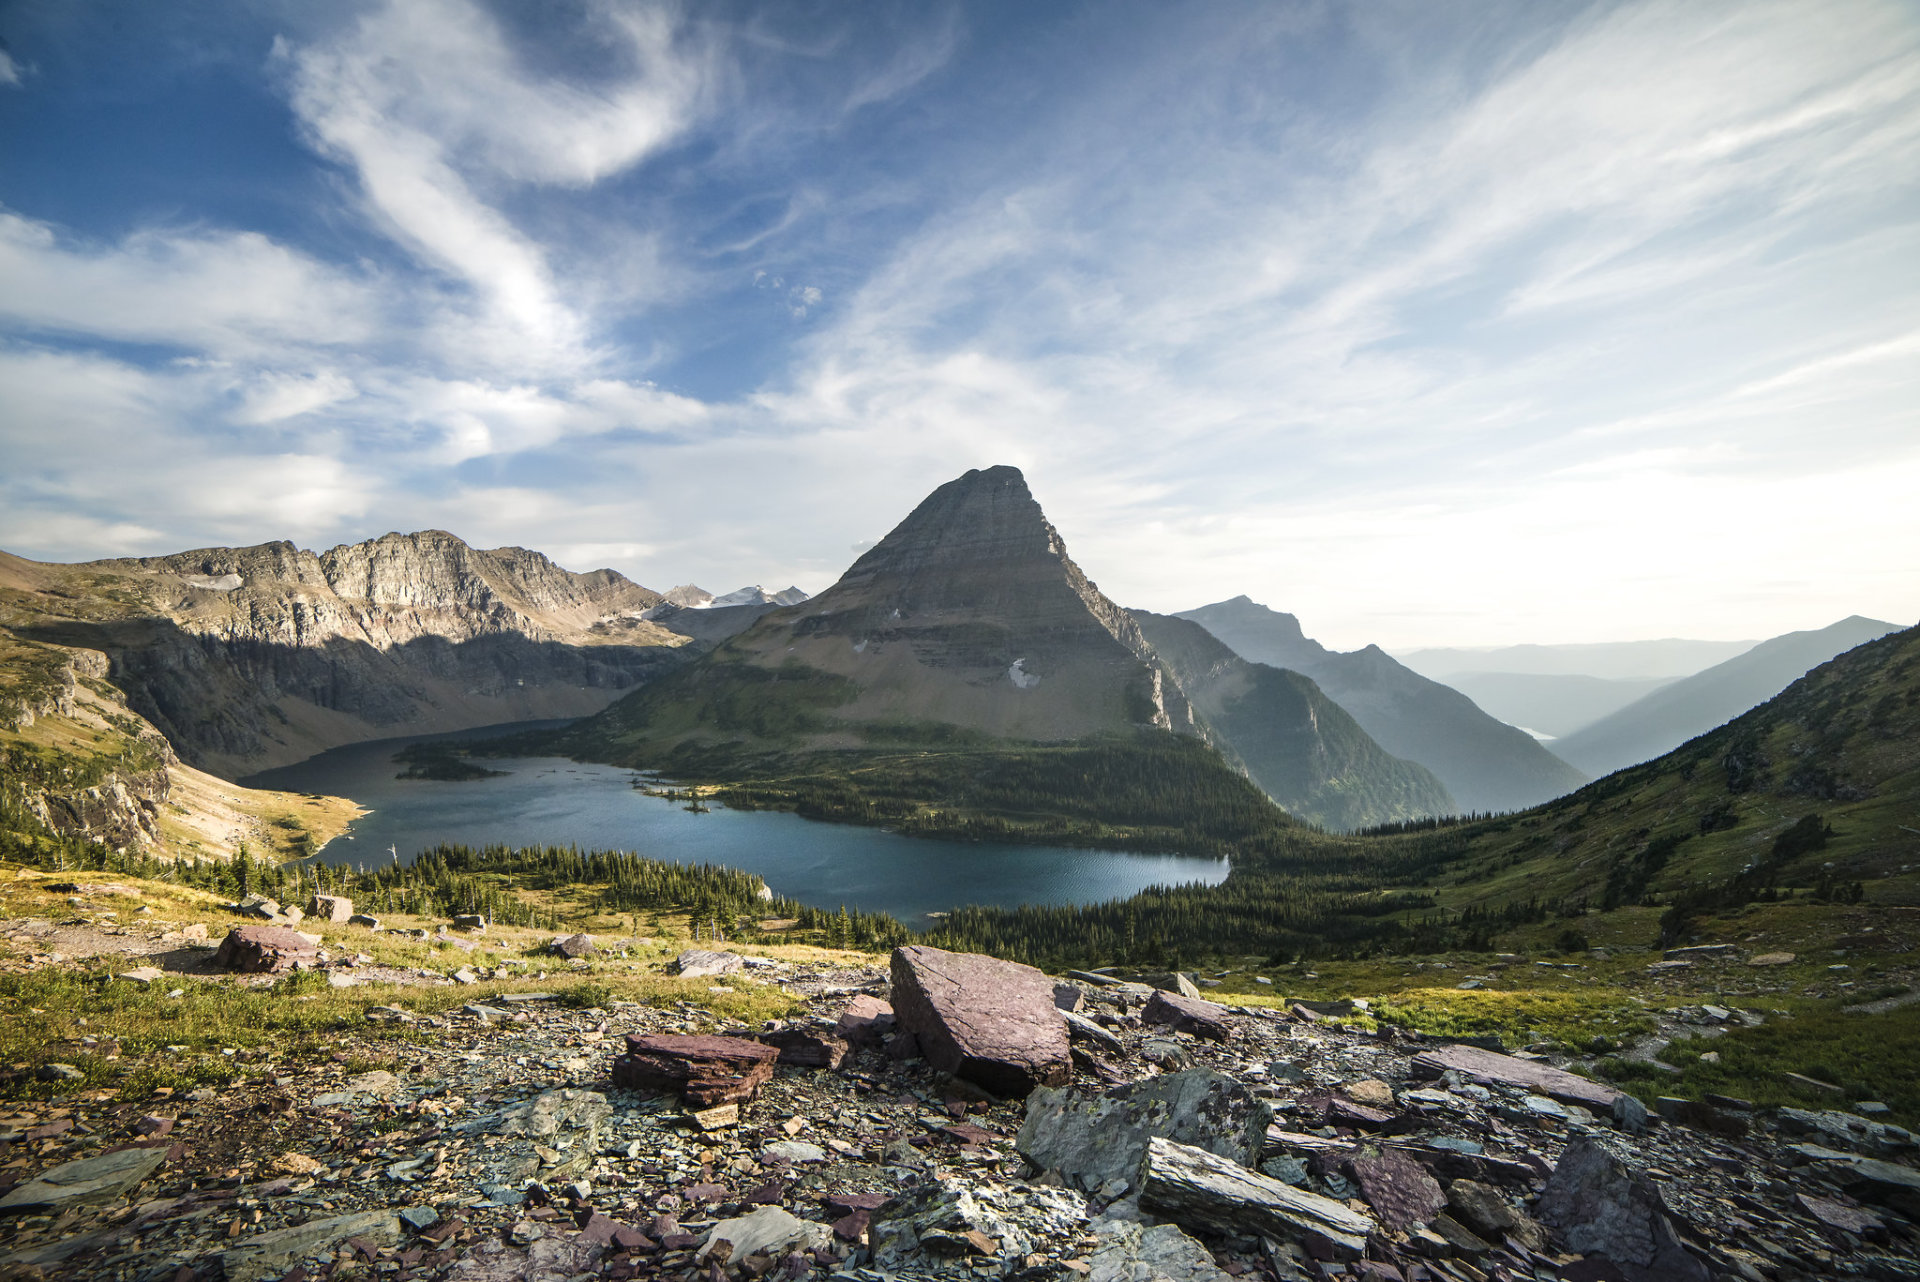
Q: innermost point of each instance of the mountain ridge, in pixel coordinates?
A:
(1485, 764)
(1667, 717)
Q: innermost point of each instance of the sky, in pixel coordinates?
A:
(1434, 324)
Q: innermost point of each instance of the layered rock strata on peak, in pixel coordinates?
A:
(968, 620)
(252, 657)
(987, 1021)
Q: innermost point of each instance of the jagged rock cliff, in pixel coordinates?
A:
(251, 657)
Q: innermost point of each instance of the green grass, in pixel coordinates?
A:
(1586, 1019)
(1871, 1057)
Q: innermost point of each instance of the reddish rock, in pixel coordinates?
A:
(266, 948)
(865, 1022)
(1398, 1188)
(1486, 1066)
(1188, 1015)
(705, 1070)
(984, 1020)
(802, 1048)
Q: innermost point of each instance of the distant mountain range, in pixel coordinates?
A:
(1484, 763)
(689, 597)
(1669, 716)
(1551, 705)
(1667, 659)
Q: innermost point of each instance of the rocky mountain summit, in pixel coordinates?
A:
(969, 628)
(948, 1117)
(252, 657)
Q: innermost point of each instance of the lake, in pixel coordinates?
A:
(550, 801)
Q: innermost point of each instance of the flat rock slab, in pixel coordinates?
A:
(1188, 1015)
(706, 1071)
(704, 963)
(266, 949)
(769, 1231)
(268, 1255)
(1200, 1190)
(1491, 1066)
(1601, 1207)
(988, 1021)
(1095, 1140)
(89, 1181)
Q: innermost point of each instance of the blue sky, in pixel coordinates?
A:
(1435, 324)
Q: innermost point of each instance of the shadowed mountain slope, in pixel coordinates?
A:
(1693, 705)
(1300, 747)
(1484, 763)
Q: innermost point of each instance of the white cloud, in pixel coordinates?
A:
(222, 292)
(275, 396)
(429, 106)
(9, 70)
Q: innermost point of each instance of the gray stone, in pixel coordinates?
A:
(330, 908)
(84, 1182)
(1199, 1190)
(796, 1151)
(1091, 1139)
(936, 1218)
(270, 1254)
(1069, 997)
(1490, 1066)
(1131, 1252)
(420, 1217)
(1084, 1029)
(573, 946)
(1846, 1130)
(1172, 982)
(1630, 1115)
(1599, 1206)
(553, 1137)
(769, 1231)
(988, 1021)
(702, 963)
(364, 919)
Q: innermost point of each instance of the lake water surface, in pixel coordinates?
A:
(551, 801)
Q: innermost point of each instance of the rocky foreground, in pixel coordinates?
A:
(951, 1117)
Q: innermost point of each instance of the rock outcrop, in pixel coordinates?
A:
(266, 949)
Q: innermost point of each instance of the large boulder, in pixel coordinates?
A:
(988, 1021)
(84, 1182)
(268, 949)
(705, 1070)
(1096, 1141)
(1599, 1206)
(705, 963)
(330, 908)
(1188, 1015)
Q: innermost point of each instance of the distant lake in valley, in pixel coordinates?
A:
(550, 801)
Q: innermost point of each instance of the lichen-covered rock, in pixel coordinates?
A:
(1096, 1141)
(330, 908)
(1131, 1252)
(705, 963)
(988, 1021)
(1599, 1206)
(938, 1217)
